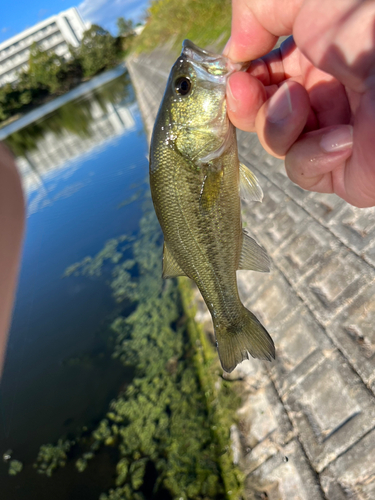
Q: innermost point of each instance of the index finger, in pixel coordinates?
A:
(257, 25)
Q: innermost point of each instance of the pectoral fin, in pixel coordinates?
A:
(170, 267)
(210, 192)
(253, 256)
(249, 185)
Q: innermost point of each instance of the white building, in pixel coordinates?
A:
(54, 33)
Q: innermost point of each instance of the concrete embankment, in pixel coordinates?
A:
(308, 419)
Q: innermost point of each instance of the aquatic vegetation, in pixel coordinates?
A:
(50, 457)
(152, 423)
(82, 463)
(15, 466)
(166, 423)
(92, 266)
(221, 396)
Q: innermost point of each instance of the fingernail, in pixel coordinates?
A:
(226, 48)
(232, 102)
(280, 105)
(337, 139)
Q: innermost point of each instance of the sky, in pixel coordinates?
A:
(21, 14)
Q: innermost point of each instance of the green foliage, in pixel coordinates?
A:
(45, 68)
(15, 466)
(75, 117)
(49, 74)
(124, 26)
(203, 21)
(97, 51)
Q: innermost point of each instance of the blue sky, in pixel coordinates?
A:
(17, 16)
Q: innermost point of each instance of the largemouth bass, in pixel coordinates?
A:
(195, 176)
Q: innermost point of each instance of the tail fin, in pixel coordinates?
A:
(247, 336)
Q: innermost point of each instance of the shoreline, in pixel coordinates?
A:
(52, 105)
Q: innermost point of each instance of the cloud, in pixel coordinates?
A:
(105, 12)
(4, 30)
(42, 13)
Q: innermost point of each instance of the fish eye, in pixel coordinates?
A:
(182, 85)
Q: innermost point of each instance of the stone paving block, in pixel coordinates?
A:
(264, 425)
(250, 284)
(368, 253)
(283, 227)
(352, 476)
(355, 227)
(274, 221)
(300, 255)
(258, 215)
(296, 193)
(299, 346)
(249, 147)
(330, 408)
(285, 476)
(274, 302)
(324, 207)
(253, 374)
(336, 281)
(354, 333)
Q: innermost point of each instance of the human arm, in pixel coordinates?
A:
(12, 216)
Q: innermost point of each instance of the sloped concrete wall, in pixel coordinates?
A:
(307, 426)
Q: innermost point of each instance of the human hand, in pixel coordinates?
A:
(311, 101)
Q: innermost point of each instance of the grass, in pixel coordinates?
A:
(205, 22)
(222, 398)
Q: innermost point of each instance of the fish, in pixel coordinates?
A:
(195, 178)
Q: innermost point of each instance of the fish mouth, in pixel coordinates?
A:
(215, 64)
(188, 45)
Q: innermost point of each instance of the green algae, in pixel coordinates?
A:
(171, 424)
(51, 457)
(15, 466)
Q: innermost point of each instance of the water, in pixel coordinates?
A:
(101, 390)
(80, 165)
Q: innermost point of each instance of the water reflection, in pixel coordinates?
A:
(77, 128)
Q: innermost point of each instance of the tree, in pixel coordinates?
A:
(125, 27)
(98, 50)
(45, 68)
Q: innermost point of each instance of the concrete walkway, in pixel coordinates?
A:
(307, 426)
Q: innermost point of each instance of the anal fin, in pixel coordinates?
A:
(253, 256)
(170, 267)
